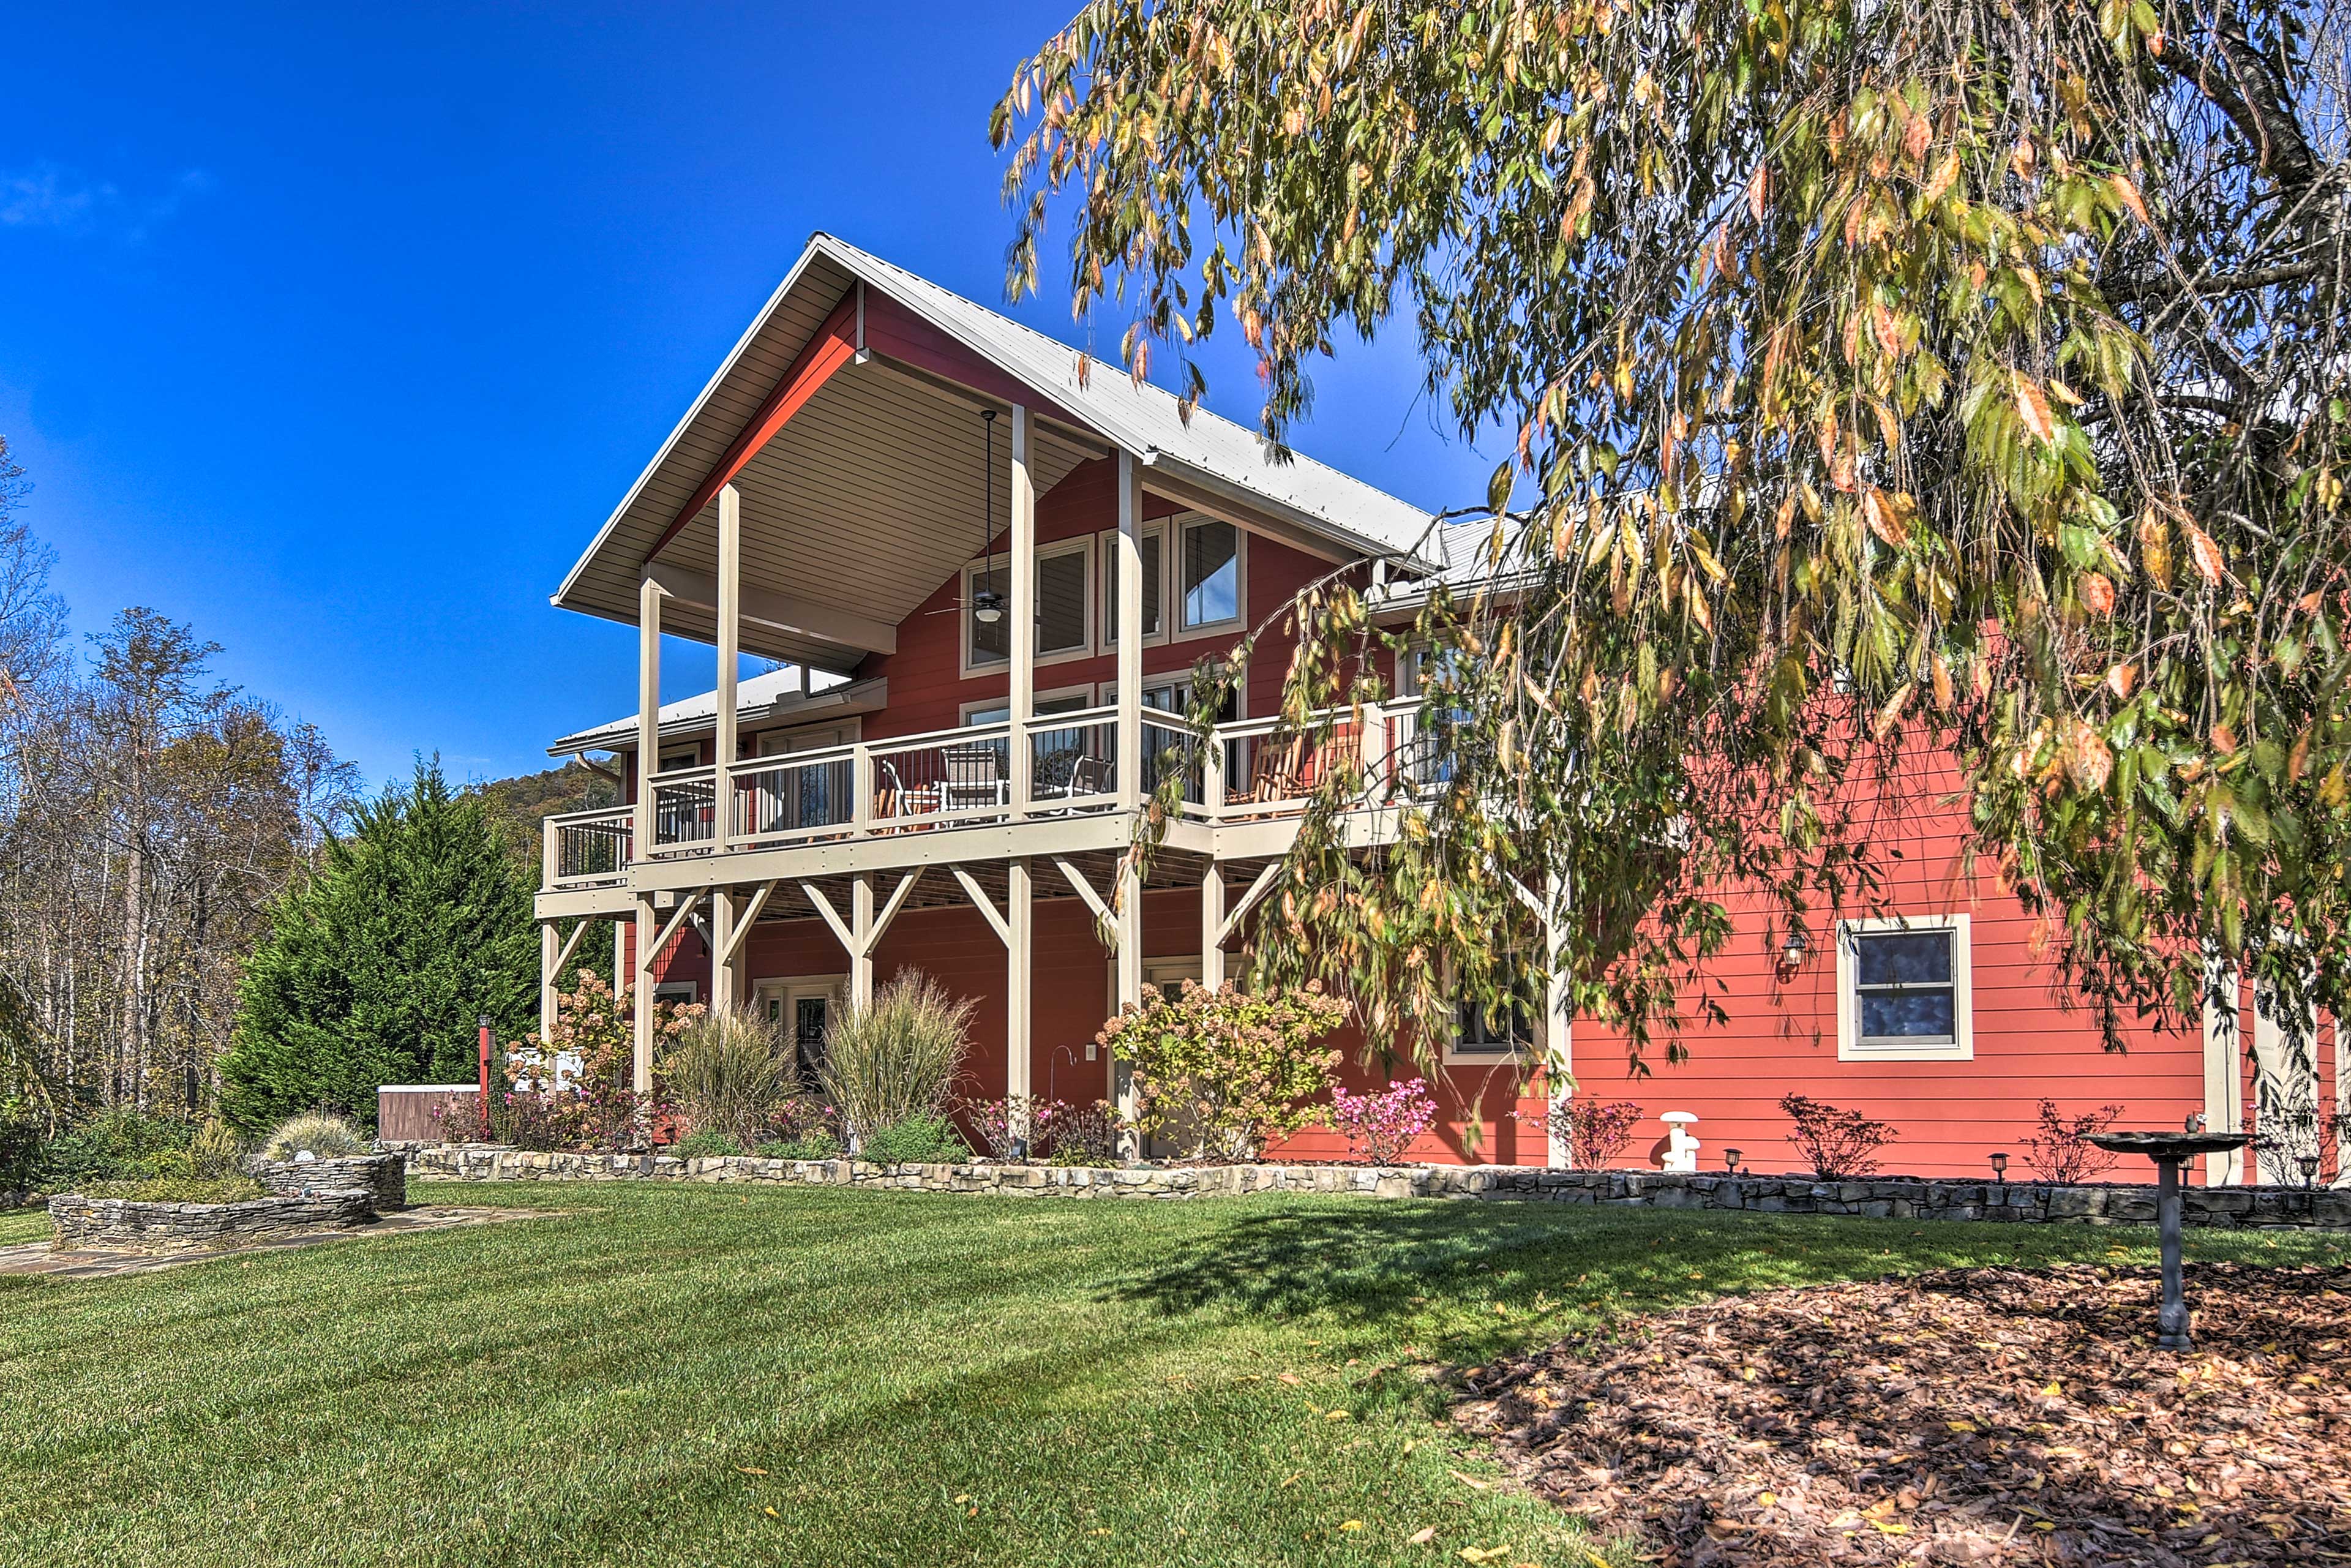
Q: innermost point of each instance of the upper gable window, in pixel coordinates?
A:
(1209, 557)
(1153, 539)
(1062, 604)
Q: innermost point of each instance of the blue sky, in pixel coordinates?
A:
(337, 331)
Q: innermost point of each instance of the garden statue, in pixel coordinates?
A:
(1681, 1149)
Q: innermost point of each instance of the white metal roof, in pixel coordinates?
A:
(1147, 419)
(773, 695)
(1211, 451)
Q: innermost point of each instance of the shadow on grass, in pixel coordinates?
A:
(1443, 1270)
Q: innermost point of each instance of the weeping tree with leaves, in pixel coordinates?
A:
(1882, 383)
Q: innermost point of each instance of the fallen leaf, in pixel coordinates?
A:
(751, 1469)
(1423, 1536)
(1352, 1524)
(1469, 1480)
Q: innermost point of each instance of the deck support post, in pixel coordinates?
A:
(1021, 638)
(1559, 1021)
(641, 993)
(730, 649)
(547, 961)
(1019, 955)
(620, 955)
(1212, 926)
(1128, 773)
(649, 618)
(1127, 906)
(726, 978)
(861, 947)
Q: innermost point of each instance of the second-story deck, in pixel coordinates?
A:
(911, 798)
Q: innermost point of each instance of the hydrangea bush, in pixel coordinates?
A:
(1221, 1071)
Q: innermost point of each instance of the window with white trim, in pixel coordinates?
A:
(1509, 1034)
(1063, 606)
(1153, 539)
(1904, 988)
(1209, 577)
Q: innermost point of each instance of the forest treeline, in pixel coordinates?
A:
(159, 827)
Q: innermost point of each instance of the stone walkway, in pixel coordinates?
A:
(39, 1258)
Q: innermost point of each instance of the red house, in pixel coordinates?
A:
(884, 479)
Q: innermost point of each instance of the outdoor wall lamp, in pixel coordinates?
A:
(1792, 956)
(1999, 1167)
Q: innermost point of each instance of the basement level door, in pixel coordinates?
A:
(805, 1008)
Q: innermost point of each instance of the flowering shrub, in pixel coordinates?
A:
(1079, 1134)
(1059, 1133)
(1381, 1127)
(1597, 1130)
(2062, 1151)
(578, 1090)
(1221, 1071)
(1839, 1144)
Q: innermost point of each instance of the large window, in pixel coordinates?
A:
(1153, 539)
(1063, 608)
(1210, 555)
(1903, 989)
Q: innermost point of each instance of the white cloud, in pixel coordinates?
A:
(49, 195)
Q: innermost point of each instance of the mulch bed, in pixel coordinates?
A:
(1965, 1416)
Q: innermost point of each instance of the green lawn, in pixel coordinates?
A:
(710, 1376)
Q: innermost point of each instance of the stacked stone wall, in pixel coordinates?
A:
(127, 1224)
(1891, 1197)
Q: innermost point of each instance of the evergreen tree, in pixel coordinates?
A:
(376, 968)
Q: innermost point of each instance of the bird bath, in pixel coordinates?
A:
(2167, 1150)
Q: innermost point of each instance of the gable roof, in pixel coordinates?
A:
(761, 700)
(1213, 455)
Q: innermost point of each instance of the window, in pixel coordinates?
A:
(1153, 540)
(678, 993)
(1162, 696)
(1903, 990)
(675, 758)
(1480, 1036)
(1211, 554)
(1063, 607)
(996, 710)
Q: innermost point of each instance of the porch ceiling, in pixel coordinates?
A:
(867, 499)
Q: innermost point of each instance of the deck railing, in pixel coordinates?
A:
(1249, 771)
(584, 848)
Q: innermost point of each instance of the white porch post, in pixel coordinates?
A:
(648, 928)
(730, 646)
(860, 949)
(1129, 910)
(649, 617)
(1559, 1021)
(1129, 771)
(1212, 926)
(1019, 949)
(726, 975)
(2224, 1105)
(547, 949)
(620, 955)
(1023, 635)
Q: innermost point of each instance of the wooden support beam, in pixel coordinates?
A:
(640, 992)
(549, 964)
(860, 956)
(834, 345)
(571, 944)
(1128, 772)
(890, 910)
(649, 634)
(823, 905)
(1019, 1067)
(1249, 901)
(1212, 926)
(985, 905)
(730, 659)
(858, 633)
(725, 990)
(1129, 925)
(1022, 634)
(687, 903)
(748, 919)
(1085, 890)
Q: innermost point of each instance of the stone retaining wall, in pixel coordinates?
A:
(1889, 1198)
(126, 1225)
(385, 1175)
